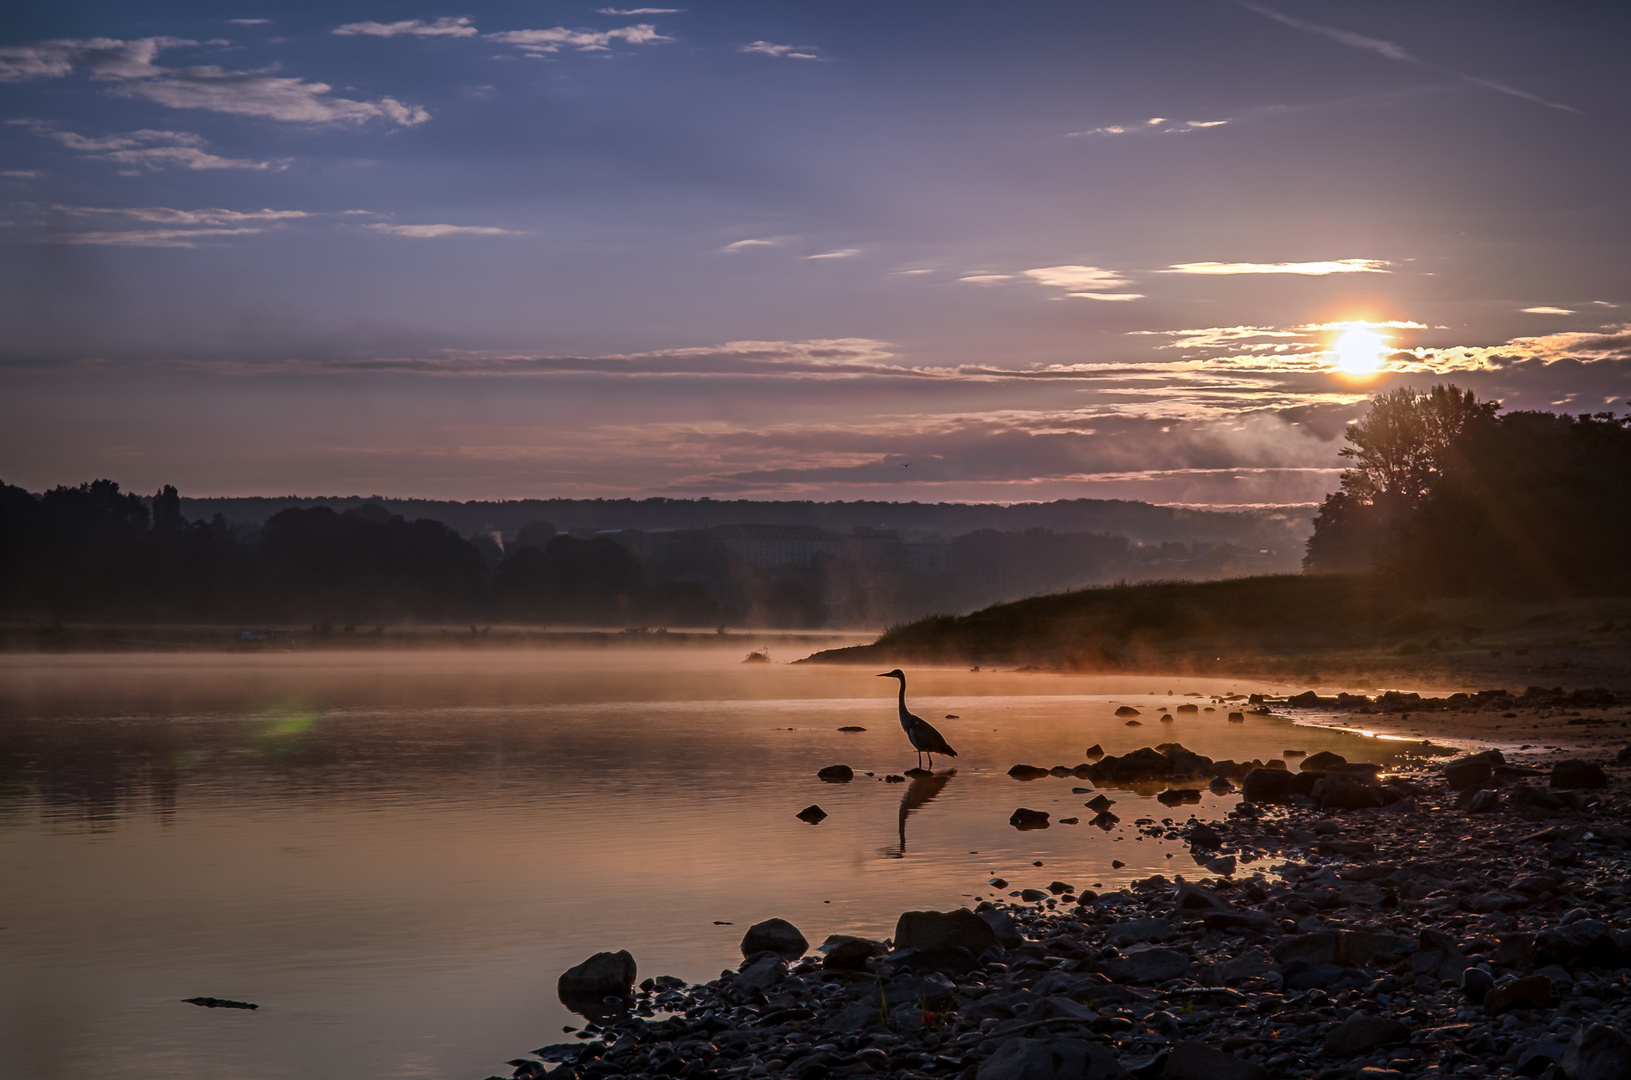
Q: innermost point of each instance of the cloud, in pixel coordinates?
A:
(1547, 311)
(1317, 269)
(985, 279)
(1083, 282)
(173, 238)
(1397, 53)
(841, 253)
(743, 245)
(131, 67)
(789, 52)
(434, 232)
(164, 215)
(1204, 123)
(538, 42)
(249, 22)
(460, 27)
(640, 11)
(149, 148)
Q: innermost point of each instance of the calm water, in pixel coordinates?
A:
(396, 855)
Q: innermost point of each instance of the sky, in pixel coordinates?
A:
(1139, 249)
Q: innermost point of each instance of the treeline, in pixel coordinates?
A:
(96, 552)
(1447, 495)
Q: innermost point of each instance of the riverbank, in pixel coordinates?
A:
(1472, 926)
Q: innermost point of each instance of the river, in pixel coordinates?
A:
(396, 854)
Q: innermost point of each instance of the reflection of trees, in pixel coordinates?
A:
(920, 792)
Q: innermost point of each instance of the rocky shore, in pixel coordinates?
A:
(1461, 918)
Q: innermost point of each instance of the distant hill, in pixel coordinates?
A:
(1282, 530)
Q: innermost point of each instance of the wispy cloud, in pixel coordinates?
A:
(164, 215)
(554, 39)
(984, 279)
(841, 253)
(640, 11)
(1396, 52)
(1152, 126)
(249, 22)
(1316, 269)
(436, 232)
(789, 52)
(1084, 282)
(149, 148)
(1548, 311)
(744, 245)
(170, 238)
(460, 27)
(132, 69)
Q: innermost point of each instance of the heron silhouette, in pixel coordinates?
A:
(924, 738)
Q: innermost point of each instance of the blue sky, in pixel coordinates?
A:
(825, 250)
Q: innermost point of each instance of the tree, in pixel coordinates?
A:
(1399, 449)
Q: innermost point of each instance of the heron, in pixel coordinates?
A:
(924, 738)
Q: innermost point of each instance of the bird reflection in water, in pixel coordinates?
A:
(921, 791)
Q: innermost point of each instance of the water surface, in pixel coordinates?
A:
(396, 854)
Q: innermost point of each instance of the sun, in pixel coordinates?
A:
(1360, 351)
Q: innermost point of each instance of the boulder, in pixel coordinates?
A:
(1266, 786)
(1139, 930)
(1484, 802)
(1339, 793)
(1050, 1059)
(1148, 964)
(1028, 772)
(774, 936)
(1197, 1061)
(1533, 1059)
(931, 930)
(1529, 992)
(1007, 929)
(1195, 898)
(1322, 761)
(1024, 818)
(1465, 774)
(842, 952)
(760, 975)
(1575, 773)
(812, 814)
(1128, 710)
(1624, 756)
(1145, 763)
(1099, 803)
(1597, 1052)
(603, 975)
(1204, 836)
(836, 774)
(1361, 1032)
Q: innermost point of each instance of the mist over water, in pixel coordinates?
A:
(396, 854)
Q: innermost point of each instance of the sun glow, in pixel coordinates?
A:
(1360, 351)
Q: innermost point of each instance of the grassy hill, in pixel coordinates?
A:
(1284, 625)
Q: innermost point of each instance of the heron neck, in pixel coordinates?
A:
(903, 698)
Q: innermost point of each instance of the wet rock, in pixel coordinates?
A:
(1002, 924)
(1322, 761)
(812, 814)
(836, 774)
(1197, 1061)
(1533, 1059)
(1529, 992)
(841, 952)
(1343, 794)
(1178, 796)
(1359, 1033)
(1147, 964)
(774, 936)
(1027, 772)
(1266, 786)
(1597, 1052)
(1094, 751)
(1050, 1059)
(1195, 898)
(1575, 773)
(851, 727)
(1624, 756)
(1224, 867)
(585, 987)
(1237, 718)
(1024, 818)
(1484, 802)
(931, 930)
(1465, 774)
(758, 976)
(1099, 803)
(1059, 887)
(1128, 710)
(219, 1003)
(1205, 836)
(1139, 930)
(1313, 975)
